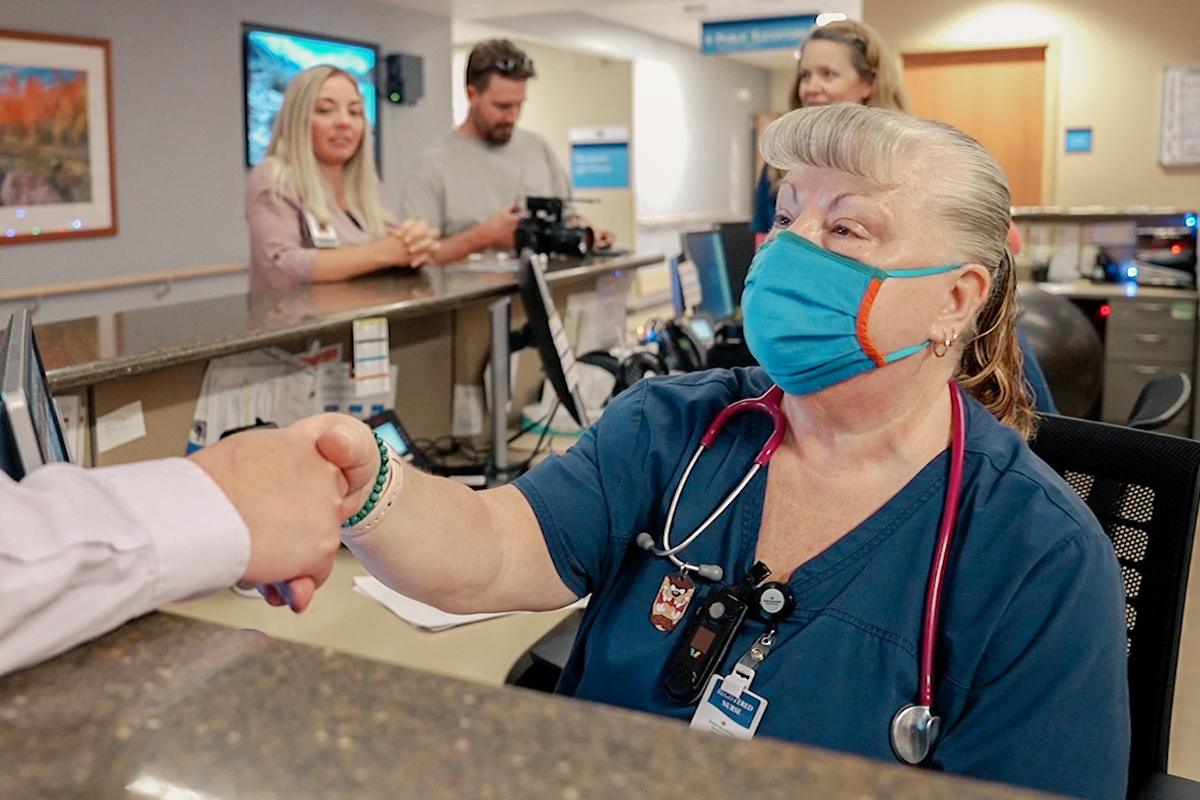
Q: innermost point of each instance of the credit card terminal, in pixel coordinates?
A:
(388, 426)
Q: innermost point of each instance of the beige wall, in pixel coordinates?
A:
(1105, 67)
(575, 90)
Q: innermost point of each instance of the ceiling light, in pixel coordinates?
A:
(695, 8)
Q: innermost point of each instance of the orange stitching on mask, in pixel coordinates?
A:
(864, 316)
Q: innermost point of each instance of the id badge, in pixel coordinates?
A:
(725, 710)
(322, 235)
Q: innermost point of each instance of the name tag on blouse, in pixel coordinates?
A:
(322, 235)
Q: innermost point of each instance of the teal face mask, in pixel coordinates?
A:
(806, 313)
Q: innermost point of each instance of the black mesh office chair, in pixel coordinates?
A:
(1160, 401)
(1143, 487)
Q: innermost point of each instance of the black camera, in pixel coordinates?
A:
(544, 231)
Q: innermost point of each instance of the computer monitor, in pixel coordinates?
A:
(706, 251)
(30, 431)
(739, 243)
(545, 331)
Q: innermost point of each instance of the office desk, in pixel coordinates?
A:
(170, 707)
(1148, 331)
(347, 621)
(438, 326)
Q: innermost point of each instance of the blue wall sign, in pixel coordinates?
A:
(749, 35)
(600, 165)
(1079, 140)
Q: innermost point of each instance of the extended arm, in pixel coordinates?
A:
(455, 548)
(84, 550)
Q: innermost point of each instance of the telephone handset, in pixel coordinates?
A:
(681, 347)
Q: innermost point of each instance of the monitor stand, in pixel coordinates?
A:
(499, 470)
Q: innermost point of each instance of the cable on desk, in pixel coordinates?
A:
(545, 431)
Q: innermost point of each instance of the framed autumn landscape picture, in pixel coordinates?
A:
(57, 177)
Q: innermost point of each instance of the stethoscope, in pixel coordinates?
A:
(914, 729)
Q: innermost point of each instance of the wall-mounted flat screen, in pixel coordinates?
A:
(271, 57)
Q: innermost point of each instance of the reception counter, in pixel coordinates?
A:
(167, 707)
(438, 326)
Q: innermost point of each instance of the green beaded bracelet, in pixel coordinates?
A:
(380, 480)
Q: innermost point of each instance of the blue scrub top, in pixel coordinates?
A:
(1031, 674)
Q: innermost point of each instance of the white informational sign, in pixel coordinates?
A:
(122, 426)
(689, 283)
(1179, 128)
(467, 412)
(371, 364)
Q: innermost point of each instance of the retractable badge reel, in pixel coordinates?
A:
(727, 706)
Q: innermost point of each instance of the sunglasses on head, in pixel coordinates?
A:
(507, 66)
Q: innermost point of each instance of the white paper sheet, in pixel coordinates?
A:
(121, 426)
(423, 615)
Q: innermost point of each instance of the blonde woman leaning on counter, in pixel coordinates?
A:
(314, 205)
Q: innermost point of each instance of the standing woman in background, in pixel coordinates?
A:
(841, 62)
(314, 205)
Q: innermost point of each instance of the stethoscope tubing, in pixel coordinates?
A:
(768, 403)
(941, 555)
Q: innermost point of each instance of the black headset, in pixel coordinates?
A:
(627, 371)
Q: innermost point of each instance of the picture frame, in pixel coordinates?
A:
(57, 168)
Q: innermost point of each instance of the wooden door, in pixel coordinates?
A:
(997, 96)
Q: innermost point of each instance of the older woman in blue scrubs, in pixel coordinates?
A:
(1029, 679)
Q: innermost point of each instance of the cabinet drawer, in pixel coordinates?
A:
(1123, 381)
(1154, 315)
(1150, 346)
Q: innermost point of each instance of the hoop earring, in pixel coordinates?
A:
(945, 345)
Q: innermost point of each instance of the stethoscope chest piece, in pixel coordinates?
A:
(914, 732)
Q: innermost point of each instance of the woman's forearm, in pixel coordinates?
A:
(343, 263)
(461, 550)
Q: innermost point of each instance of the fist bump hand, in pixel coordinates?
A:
(294, 487)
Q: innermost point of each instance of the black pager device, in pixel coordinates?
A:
(708, 637)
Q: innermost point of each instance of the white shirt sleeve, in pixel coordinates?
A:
(84, 550)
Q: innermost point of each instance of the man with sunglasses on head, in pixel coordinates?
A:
(472, 185)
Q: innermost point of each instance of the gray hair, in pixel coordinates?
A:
(881, 145)
(970, 205)
(291, 155)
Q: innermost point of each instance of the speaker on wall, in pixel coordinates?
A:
(405, 82)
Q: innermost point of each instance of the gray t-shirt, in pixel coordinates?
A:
(460, 182)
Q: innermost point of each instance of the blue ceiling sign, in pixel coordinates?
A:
(750, 35)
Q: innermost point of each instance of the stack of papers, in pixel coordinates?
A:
(423, 615)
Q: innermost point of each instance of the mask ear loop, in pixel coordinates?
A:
(944, 345)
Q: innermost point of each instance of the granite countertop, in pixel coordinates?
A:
(168, 707)
(83, 351)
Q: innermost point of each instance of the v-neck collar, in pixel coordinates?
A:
(926, 486)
